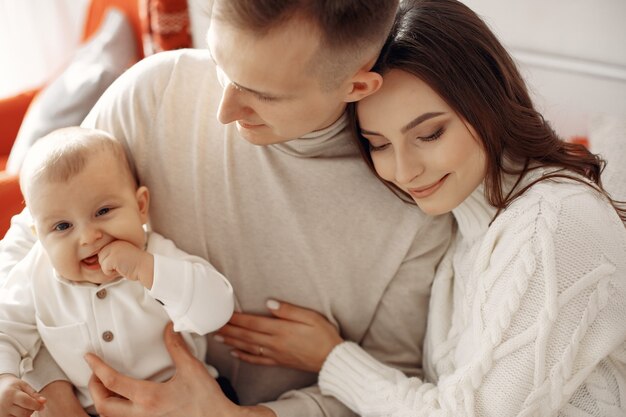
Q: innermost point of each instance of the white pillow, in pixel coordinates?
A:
(67, 100)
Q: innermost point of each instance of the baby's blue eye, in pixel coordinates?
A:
(62, 226)
(102, 211)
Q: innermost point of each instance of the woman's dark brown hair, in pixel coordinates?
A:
(449, 47)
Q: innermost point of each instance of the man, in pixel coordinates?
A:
(288, 212)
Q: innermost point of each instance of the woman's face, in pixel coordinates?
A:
(420, 144)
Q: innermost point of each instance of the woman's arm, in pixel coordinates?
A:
(294, 338)
(540, 320)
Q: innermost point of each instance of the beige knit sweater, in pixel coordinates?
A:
(304, 222)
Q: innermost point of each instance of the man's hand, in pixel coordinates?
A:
(192, 391)
(295, 337)
(17, 398)
(61, 401)
(122, 258)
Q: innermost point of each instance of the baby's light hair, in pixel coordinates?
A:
(62, 154)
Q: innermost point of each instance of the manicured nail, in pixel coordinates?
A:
(234, 354)
(218, 338)
(272, 304)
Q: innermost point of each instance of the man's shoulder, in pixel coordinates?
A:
(174, 59)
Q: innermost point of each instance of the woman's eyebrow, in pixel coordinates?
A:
(419, 119)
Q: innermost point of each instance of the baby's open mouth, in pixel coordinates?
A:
(91, 262)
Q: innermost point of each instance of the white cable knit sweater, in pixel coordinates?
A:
(527, 317)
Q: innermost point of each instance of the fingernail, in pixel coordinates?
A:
(87, 358)
(218, 338)
(234, 354)
(272, 304)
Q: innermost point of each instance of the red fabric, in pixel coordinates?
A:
(581, 140)
(12, 110)
(165, 25)
(97, 10)
(12, 200)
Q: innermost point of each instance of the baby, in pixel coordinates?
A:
(96, 281)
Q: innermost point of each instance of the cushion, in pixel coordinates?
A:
(165, 25)
(607, 137)
(68, 99)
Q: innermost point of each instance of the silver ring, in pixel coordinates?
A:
(260, 350)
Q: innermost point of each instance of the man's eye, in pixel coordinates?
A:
(62, 226)
(102, 211)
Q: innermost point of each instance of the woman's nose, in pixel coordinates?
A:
(408, 166)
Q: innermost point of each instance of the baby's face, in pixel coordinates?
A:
(77, 218)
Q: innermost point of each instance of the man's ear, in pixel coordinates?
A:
(362, 84)
(143, 201)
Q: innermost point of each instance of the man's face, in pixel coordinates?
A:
(270, 90)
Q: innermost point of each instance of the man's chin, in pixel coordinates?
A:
(258, 137)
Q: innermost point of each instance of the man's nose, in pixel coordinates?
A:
(232, 106)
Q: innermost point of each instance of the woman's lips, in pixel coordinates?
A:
(424, 192)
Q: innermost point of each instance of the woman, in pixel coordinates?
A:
(527, 312)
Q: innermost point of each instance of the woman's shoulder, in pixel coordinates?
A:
(567, 213)
(554, 197)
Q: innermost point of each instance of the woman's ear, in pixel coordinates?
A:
(362, 84)
(143, 202)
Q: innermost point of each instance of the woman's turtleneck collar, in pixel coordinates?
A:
(325, 142)
(475, 213)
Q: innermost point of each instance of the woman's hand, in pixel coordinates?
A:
(191, 392)
(295, 337)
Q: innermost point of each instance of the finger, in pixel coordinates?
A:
(177, 348)
(251, 348)
(28, 398)
(254, 359)
(254, 322)
(106, 401)
(17, 411)
(293, 313)
(114, 381)
(245, 335)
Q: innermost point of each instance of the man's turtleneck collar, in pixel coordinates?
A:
(329, 142)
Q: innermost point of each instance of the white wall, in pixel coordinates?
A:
(37, 39)
(572, 52)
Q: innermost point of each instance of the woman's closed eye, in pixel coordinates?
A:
(436, 135)
(378, 146)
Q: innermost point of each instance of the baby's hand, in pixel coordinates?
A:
(17, 398)
(122, 258)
